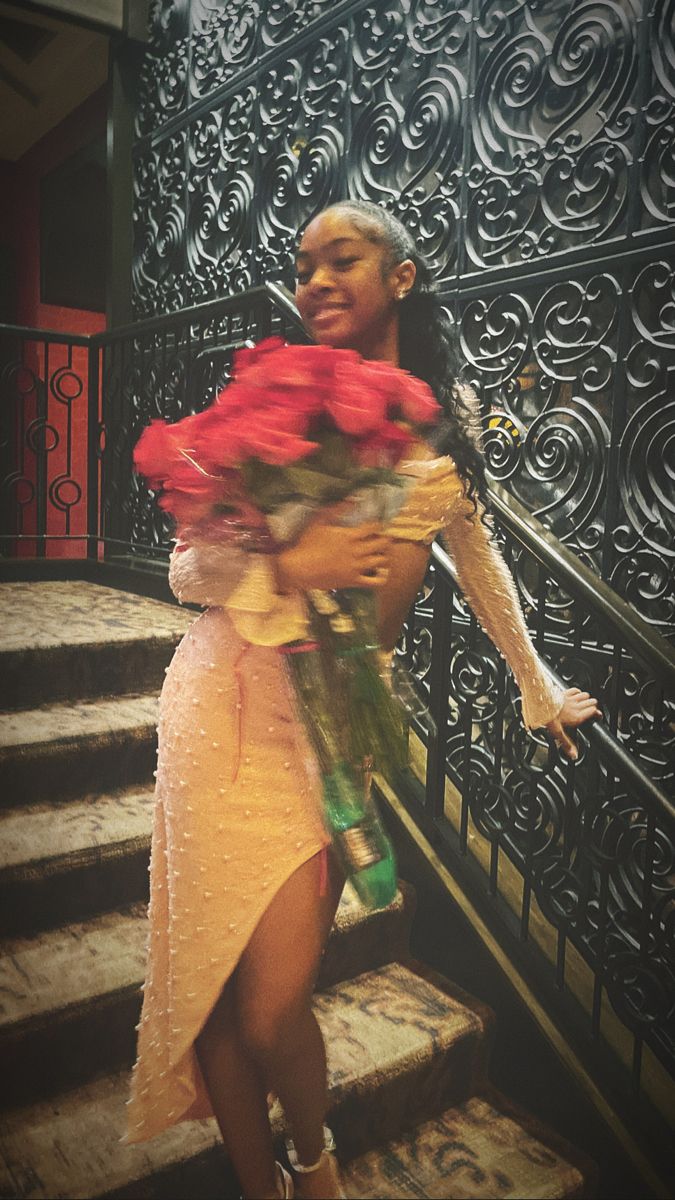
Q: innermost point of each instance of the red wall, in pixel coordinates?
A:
(20, 226)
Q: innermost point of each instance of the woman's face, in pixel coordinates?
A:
(345, 298)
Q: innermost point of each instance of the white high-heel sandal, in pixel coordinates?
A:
(326, 1154)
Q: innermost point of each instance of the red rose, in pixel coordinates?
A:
(277, 437)
(158, 450)
(354, 404)
(248, 356)
(218, 440)
(381, 376)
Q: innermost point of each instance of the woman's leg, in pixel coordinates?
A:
(282, 958)
(239, 1097)
(274, 985)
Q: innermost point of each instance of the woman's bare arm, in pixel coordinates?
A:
(407, 564)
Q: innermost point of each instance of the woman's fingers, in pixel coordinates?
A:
(577, 708)
(580, 711)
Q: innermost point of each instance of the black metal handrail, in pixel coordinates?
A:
(200, 314)
(51, 336)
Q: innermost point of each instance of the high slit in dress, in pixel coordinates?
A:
(237, 799)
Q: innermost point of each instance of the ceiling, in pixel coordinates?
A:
(48, 66)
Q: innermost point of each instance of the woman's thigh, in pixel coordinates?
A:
(277, 973)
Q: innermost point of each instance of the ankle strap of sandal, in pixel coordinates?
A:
(302, 1169)
(328, 1147)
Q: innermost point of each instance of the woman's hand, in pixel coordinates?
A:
(577, 707)
(329, 555)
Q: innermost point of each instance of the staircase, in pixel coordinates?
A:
(411, 1106)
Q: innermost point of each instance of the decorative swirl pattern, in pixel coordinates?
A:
(284, 19)
(432, 134)
(223, 42)
(601, 862)
(553, 103)
(379, 45)
(495, 340)
(657, 178)
(376, 139)
(437, 29)
(647, 472)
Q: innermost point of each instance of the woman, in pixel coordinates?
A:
(238, 913)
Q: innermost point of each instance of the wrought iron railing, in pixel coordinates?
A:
(587, 850)
(165, 366)
(572, 865)
(45, 405)
(72, 408)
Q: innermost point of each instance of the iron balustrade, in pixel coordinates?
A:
(166, 366)
(69, 423)
(590, 844)
(44, 410)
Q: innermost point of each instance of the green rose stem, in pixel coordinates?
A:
(363, 847)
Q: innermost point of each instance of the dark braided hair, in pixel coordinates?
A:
(427, 344)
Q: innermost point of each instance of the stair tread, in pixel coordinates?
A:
(40, 616)
(387, 1021)
(71, 722)
(48, 831)
(387, 1018)
(42, 975)
(70, 1147)
(471, 1151)
(76, 964)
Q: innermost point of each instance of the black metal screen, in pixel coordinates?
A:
(530, 149)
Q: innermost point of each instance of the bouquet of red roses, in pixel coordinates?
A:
(300, 427)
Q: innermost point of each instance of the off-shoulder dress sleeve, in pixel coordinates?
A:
(218, 574)
(437, 504)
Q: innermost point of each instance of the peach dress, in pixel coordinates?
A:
(237, 806)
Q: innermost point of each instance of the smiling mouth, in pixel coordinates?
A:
(328, 311)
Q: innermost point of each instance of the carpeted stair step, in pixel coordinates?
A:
(66, 640)
(473, 1151)
(70, 998)
(65, 862)
(61, 751)
(400, 1049)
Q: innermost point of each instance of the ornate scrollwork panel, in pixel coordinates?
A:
(284, 20)
(544, 362)
(657, 179)
(164, 72)
(220, 187)
(600, 861)
(552, 126)
(408, 111)
(301, 147)
(224, 42)
(159, 227)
